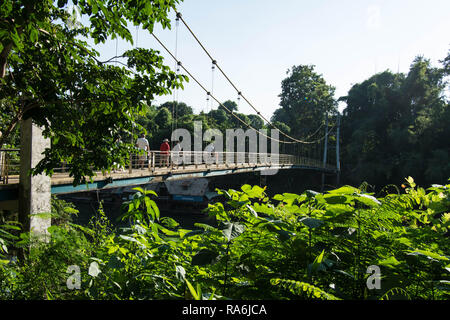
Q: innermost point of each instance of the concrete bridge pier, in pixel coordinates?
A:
(34, 191)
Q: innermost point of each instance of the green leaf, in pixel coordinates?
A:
(204, 257)
(390, 262)
(345, 274)
(155, 209)
(284, 235)
(112, 249)
(34, 35)
(127, 238)
(311, 222)
(263, 208)
(303, 289)
(169, 222)
(443, 285)
(344, 190)
(49, 294)
(336, 210)
(411, 182)
(428, 254)
(336, 199)
(396, 294)
(190, 233)
(149, 208)
(368, 200)
(167, 232)
(180, 273)
(311, 193)
(319, 258)
(192, 290)
(318, 264)
(405, 241)
(253, 211)
(232, 230)
(278, 197)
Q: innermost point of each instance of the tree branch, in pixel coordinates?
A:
(111, 59)
(4, 59)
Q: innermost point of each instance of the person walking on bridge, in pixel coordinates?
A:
(165, 150)
(142, 144)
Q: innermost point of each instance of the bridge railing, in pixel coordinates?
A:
(173, 160)
(9, 164)
(182, 159)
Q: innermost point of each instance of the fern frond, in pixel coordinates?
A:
(395, 291)
(303, 289)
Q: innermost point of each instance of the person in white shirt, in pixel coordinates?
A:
(142, 143)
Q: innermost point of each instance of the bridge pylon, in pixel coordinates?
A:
(34, 191)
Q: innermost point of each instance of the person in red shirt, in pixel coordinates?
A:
(165, 150)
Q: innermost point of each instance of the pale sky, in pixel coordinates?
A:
(256, 41)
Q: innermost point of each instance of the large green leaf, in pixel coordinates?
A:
(335, 199)
(367, 200)
(253, 192)
(336, 210)
(344, 190)
(232, 230)
(318, 264)
(204, 257)
(390, 262)
(311, 222)
(180, 273)
(263, 208)
(428, 254)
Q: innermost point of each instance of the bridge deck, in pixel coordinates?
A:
(61, 182)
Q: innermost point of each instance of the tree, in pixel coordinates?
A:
(230, 105)
(49, 74)
(305, 99)
(393, 127)
(256, 121)
(446, 64)
(180, 109)
(220, 116)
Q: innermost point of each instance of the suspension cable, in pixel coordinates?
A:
(234, 86)
(175, 93)
(212, 81)
(228, 110)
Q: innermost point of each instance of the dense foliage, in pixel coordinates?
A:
(307, 246)
(305, 100)
(397, 125)
(160, 121)
(392, 125)
(50, 74)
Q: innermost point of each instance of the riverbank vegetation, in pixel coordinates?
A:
(342, 244)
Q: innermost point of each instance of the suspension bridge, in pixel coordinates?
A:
(308, 153)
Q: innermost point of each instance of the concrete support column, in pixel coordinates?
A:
(34, 191)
